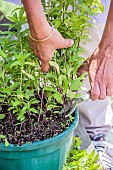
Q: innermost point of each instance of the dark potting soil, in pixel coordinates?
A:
(35, 127)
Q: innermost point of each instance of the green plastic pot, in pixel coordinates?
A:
(49, 154)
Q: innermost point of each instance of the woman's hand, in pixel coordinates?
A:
(45, 50)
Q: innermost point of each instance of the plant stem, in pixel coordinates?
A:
(19, 30)
(71, 104)
(21, 79)
(11, 119)
(31, 122)
(64, 106)
(24, 125)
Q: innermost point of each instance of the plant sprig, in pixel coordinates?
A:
(80, 159)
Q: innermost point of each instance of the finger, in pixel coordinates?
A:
(45, 66)
(82, 69)
(109, 90)
(95, 91)
(65, 43)
(102, 92)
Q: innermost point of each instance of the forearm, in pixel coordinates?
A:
(36, 18)
(107, 37)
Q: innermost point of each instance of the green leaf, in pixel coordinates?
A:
(71, 94)
(10, 108)
(58, 97)
(15, 63)
(30, 93)
(24, 109)
(51, 76)
(75, 84)
(77, 95)
(51, 106)
(6, 142)
(33, 101)
(96, 158)
(20, 96)
(1, 73)
(2, 54)
(51, 89)
(28, 75)
(57, 23)
(92, 154)
(30, 63)
(21, 117)
(15, 102)
(2, 136)
(62, 78)
(2, 116)
(26, 95)
(21, 13)
(6, 90)
(63, 81)
(69, 70)
(33, 110)
(55, 65)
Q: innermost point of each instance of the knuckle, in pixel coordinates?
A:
(94, 96)
(102, 96)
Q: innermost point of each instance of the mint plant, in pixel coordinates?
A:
(30, 101)
(80, 159)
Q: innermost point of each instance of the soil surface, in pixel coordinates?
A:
(35, 128)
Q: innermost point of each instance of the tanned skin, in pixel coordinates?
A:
(41, 29)
(100, 64)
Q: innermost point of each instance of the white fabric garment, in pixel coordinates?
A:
(101, 18)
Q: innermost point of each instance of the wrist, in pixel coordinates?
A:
(40, 30)
(103, 45)
(42, 40)
(38, 24)
(107, 37)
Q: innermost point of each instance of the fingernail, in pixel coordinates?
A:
(45, 73)
(72, 42)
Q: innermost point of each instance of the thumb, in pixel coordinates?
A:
(66, 43)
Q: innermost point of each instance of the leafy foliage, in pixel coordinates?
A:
(79, 159)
